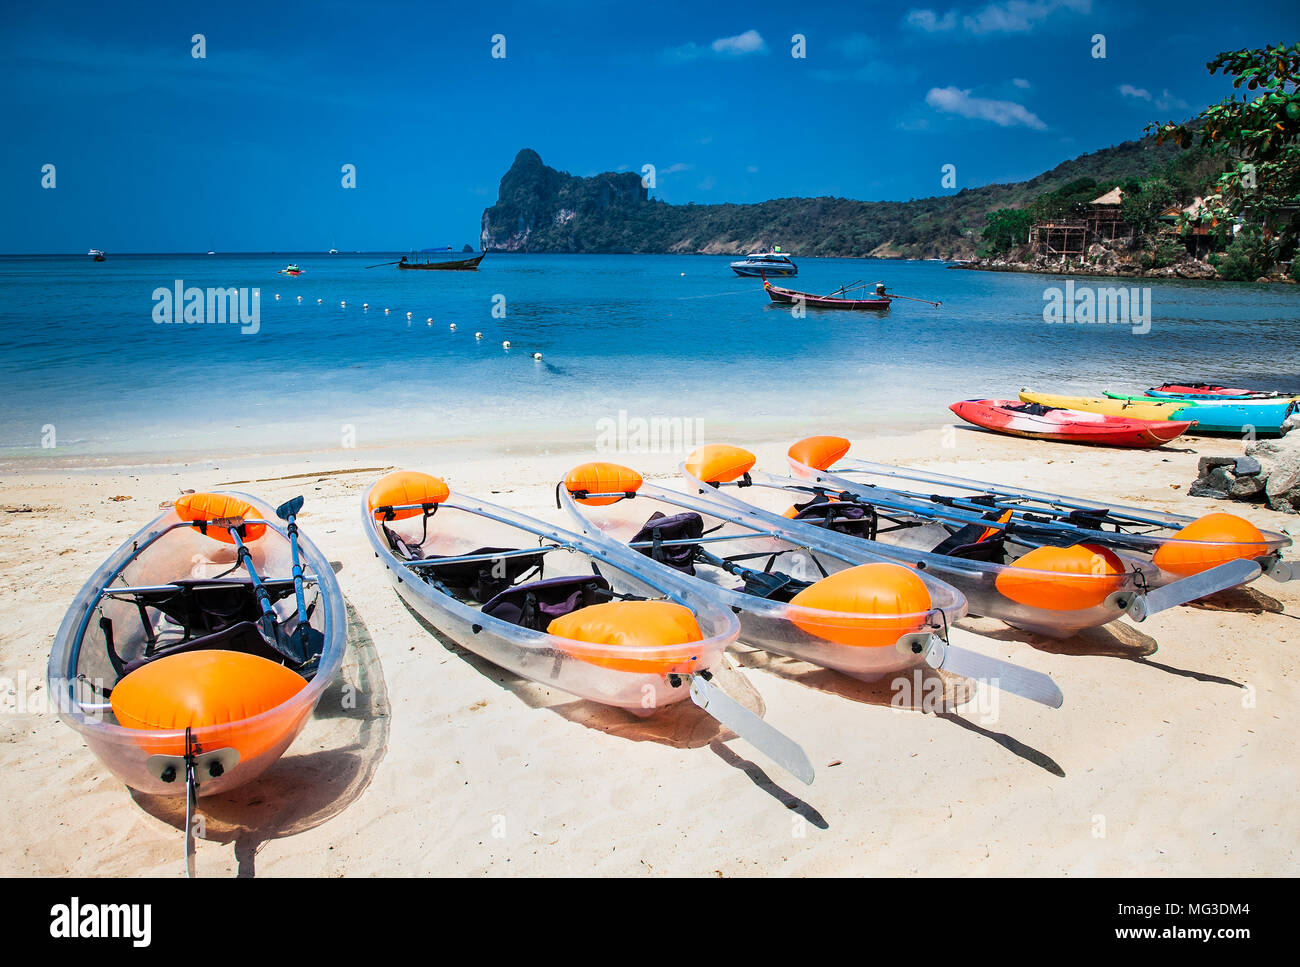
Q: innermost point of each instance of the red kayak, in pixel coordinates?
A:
(1068, 426)
(1208, 391)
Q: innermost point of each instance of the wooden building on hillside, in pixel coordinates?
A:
(1069, 238)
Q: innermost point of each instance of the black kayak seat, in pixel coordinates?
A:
(204, 607)
(537, 604)
(842, 516)
(679, 527)
(245, 637)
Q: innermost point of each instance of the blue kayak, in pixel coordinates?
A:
(1229, 416)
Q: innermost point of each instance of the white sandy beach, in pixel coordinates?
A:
(1173, 755)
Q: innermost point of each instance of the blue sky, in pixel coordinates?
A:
(156, 150)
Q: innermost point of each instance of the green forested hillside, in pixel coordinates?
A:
(540, 209)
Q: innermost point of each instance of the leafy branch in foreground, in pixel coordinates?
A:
(1261, 134)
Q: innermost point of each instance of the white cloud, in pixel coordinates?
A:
(929, 21)
(1021, 83)
(750, 42)
(1006, 114)
(675, 168)
(752, 169)
(1165, 102)
(1007, 17)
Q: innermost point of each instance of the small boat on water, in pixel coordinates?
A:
(839, 299)
(453, 264)
(97, 255)
(1039, 422)
(759, 264)
(291, 270)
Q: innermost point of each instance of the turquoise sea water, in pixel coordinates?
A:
(659, 337)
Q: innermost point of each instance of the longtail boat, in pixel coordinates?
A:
(839, 299)
(471, 263)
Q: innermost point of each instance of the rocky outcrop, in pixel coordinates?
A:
(1098, 260)
(540, 209)
(1268, 473)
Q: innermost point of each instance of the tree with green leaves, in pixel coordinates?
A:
(1141, 205)
(1261, 134)
(1006, 228)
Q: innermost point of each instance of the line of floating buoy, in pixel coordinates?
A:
(478, 335)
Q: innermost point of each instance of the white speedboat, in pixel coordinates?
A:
(765, 263)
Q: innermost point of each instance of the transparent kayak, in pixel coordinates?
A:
(797, 594)
(1175, 550)
(556, 607)
(1056, 587)
(183, 661)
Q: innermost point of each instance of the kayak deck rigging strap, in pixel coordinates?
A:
(668, 540)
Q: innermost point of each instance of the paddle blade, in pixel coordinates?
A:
(1002, 675)
(1220, 578)
(777, 746)
(289, 508)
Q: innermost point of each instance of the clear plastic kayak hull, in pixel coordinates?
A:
(639, 679)
(81, 670)
(781, 627)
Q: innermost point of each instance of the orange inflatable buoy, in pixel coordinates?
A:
(1208, 542)
(819, 452)
(663, 629)
(208, 506)
(890, 598)
(1082, 576)
(602, 478)
(719, 463)
(197, 689)
(403, 487)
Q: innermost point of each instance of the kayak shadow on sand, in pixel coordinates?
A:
(1241, 600)
(1115, 640)
(917, 690)
(301, 791)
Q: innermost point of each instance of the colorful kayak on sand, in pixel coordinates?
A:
(1040, 422)
(1210, 391)
(1228, 416)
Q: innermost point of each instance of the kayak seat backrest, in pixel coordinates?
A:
(243, 637)
(842, 516)
(974, 543)
(205, 607)
(1033, 409)
(482, 580)
(678, 527)
(537, 604)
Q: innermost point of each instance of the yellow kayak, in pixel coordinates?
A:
(1133, 409)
